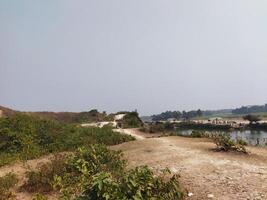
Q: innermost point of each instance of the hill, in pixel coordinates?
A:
(65, 117)
(5, 112)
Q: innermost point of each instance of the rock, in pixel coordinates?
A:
(190, 194)
(210, 196)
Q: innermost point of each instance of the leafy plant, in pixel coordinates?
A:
(139, 183)
(97, 173)
(225, 143)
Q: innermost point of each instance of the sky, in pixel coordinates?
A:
(149, 55)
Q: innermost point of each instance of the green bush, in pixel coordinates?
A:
(197, 134)
(225, 143)
(27, 137)
(98, 173)
(139, 183)
(131, 120)
(6, 183)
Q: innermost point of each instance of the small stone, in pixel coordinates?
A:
(190, 194)
(210, 196)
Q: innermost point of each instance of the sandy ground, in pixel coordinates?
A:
(205, 173)
(20, 168)
(132, 132)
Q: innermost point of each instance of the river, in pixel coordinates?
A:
(252, 137)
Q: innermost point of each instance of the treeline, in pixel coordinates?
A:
(177, 115)
(250, 109)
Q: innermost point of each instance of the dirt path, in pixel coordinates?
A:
(132, 132)
(206, 174)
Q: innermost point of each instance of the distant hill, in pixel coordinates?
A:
(250, 109)
(5, 112)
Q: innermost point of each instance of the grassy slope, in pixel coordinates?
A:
(26, 137)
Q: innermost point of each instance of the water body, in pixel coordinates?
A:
(252, 137)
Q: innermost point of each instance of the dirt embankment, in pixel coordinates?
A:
(205, 173)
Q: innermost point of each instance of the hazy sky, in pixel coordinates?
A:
(149, 55)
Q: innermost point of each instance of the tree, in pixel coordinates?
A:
(199, 113)
(252, 118)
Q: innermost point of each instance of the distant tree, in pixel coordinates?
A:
(252, 118)
(93, 112)
(199, 113)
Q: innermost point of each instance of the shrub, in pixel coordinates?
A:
(241, 142)
(40, 180)
(197, 134)
(27, 137)
(225, 143)
(139, 183)
(131, 120)
(6, 183)
(252, 118)
(97, 173)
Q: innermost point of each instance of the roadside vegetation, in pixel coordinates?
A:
(130, 120)
(98, 173)
(26, 137)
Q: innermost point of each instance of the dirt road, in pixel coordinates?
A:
(205, 173)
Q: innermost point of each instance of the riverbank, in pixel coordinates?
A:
(205, 173)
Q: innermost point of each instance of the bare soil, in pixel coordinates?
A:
(20, 169)
(205, 173)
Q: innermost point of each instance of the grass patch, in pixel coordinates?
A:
(6, 183)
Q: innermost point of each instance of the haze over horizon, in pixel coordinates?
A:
(117, 55)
